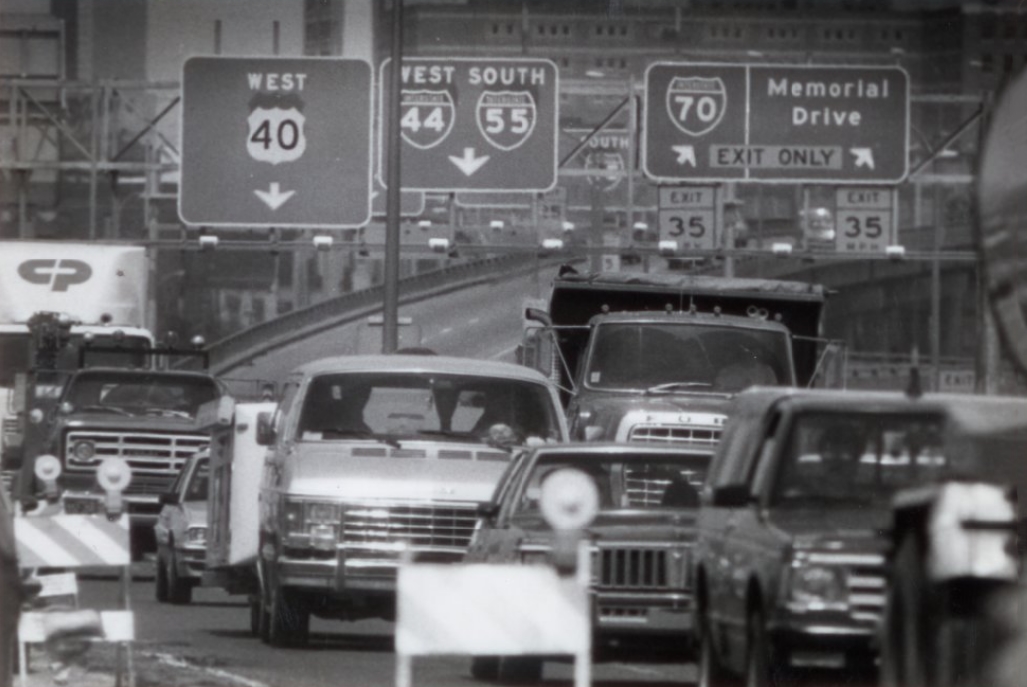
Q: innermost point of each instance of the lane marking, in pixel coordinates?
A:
(173, 661)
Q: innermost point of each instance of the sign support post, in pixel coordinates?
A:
(390, 310)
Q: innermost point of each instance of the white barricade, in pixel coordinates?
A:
(493, 610)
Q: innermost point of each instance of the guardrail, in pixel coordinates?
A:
(242, 346)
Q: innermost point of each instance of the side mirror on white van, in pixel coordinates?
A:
(265, 429)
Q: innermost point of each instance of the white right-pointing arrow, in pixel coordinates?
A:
(864, 157)
(469, 164)
(685, 154)
(274, 196)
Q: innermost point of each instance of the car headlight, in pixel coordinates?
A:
(196, 535)
(83, 452)
(818, 586)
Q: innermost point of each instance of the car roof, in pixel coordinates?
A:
(628, 450)
(420, 363)
(969, 413)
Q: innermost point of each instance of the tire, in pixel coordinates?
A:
(711, 672)
(180, 592)
(256, 610)
(759, 671)
(160, 586)
(520, 670)
(905, 659)
(485, 668)
(288, 619)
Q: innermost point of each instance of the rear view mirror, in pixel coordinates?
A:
(488, 510)
(265, 429)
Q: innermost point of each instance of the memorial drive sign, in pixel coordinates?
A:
(475, 124)
(276, 141)
(776, 123)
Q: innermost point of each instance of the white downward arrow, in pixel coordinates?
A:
(274, 196)
(685, 154)
(469, 164)
(864, 157)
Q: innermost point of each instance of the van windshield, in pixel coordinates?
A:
(409, 406)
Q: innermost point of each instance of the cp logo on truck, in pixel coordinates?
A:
(60, 273)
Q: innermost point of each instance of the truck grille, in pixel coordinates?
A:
(419, 526)
(867, 587)
(674, 434)
(149, 455)
(631, 568)
(866, 582)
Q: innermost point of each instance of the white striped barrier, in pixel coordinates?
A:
(493, 610)
(72, 541)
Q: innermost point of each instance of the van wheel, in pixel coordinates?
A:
(289, 619)
(711, 672)
(757, 655)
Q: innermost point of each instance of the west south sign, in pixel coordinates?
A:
(776, 123)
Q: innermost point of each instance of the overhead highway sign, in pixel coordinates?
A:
(776, 123)
(277, 142)
(476, 124)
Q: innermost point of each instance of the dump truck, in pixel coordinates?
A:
(657, 357)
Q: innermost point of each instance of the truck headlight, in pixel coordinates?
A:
(83, 452)
(196, 535)
(818, 586)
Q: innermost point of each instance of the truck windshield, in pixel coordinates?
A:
(627, 482)
(411, 406)
(672, 356)
(858, 458)
(136, 393)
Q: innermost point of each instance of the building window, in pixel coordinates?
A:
(1007, 64)
(276, 33)
(987, 64)
(217, 36)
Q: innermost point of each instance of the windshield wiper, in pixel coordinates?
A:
(106, 409)
(448, 433)
(674, 386)
(341, 432)
(169, 412)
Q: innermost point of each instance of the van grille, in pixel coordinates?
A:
(419, 526)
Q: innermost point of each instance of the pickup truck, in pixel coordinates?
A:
(148, 418)
(370, 455)
(657, 357)
(795, 527)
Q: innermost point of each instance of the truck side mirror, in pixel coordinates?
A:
(265, 429)
(732, 496)
(169, 498)
(538, 315)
